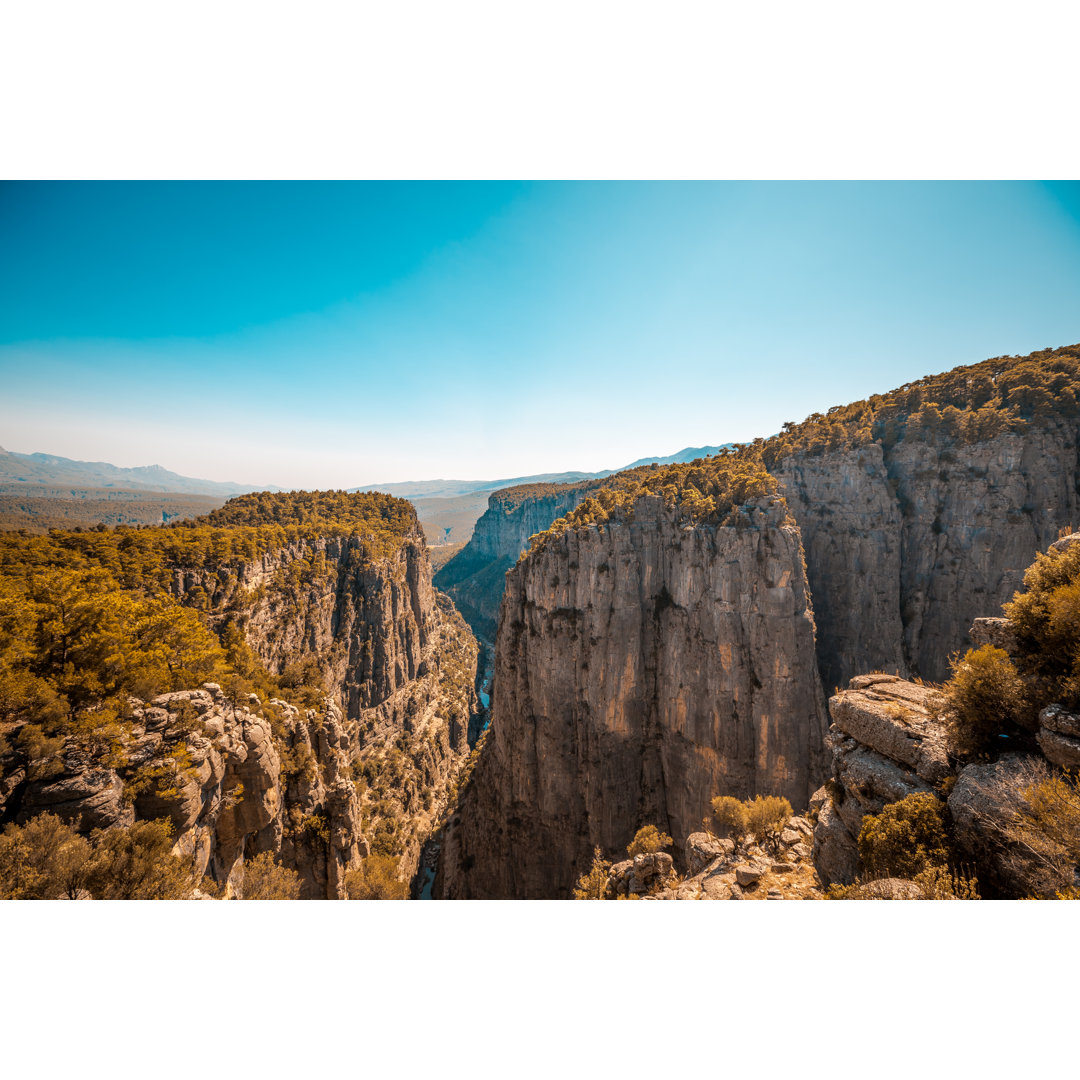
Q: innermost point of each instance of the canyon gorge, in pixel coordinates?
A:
(770, 621)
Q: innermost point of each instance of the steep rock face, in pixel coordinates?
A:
(401, 668)
(641, 668)
(907, 545)
(366, 619)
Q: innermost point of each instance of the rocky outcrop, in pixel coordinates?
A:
(888, 741)
(401, 668)
(720, 869)
(208, 767)
(641, 668)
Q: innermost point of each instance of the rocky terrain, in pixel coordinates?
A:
(359, 755)
(890, 738)
(721, 869)
(640, 669)
(394, 655)
(904, 545)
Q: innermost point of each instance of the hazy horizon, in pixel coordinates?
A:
(342, 335)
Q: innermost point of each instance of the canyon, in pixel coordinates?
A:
(601, 656)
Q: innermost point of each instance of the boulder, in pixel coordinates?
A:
(92, 798)
(835, 853)
(1055, 718)
(997, 632)
(651, 871)
(890, 889)
(900, 720)
(748, 874)
(703, 849)
(716, 888)
(1063, 750)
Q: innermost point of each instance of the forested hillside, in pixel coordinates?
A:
(320, 602)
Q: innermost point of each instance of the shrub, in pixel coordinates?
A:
(265, 879)
(729, 817)
(905, 839)
(766, 816)
(941, 883)
(137, 864)
(42, 860)
(593, 885)
(986, 697)
(647, 840)
(376, 879)
(46, 859)
(1053, 809)
(1046, 827)
(1046, 619)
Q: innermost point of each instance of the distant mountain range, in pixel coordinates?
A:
(49, 491)
(449, 489)
(48, 469)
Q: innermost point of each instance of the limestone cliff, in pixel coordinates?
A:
(906, 545)
(641, 667)
(919, 510)
(400, 666)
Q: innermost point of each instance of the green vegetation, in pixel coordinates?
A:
(48, 860)
(992, 693)
(766, 816)
(711, 491)
(1046, 826)
(265, 879)
(647, 840)
(763, 817)
(89, 620)
(593, 884)
(908, 840)
(905, 839)
(967, 404)
(985, 696)
(376, 879)
(729, 818)
(39, 508)
(1046, 619)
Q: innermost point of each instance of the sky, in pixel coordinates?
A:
(345, 334)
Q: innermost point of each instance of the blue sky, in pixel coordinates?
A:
(329, 335)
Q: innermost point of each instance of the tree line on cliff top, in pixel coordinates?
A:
(966, 404)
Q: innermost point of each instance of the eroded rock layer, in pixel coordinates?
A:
(907, 545)
(400, 665)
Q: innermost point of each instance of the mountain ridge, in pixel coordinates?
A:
(54, 470)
